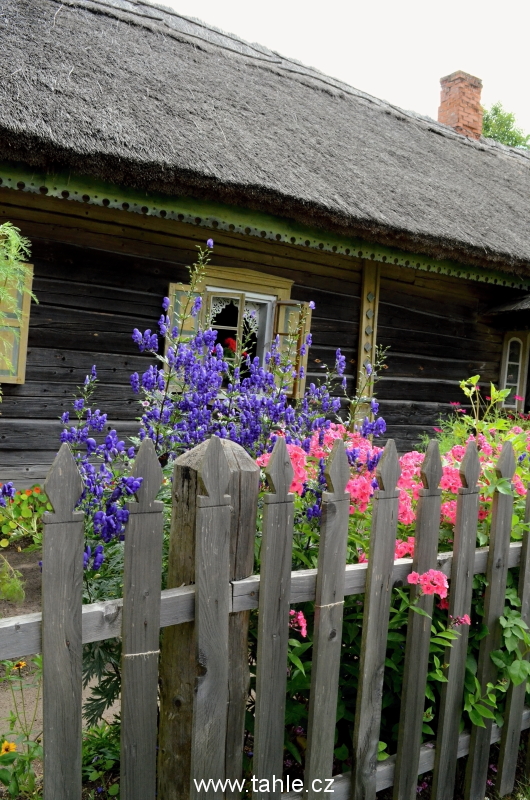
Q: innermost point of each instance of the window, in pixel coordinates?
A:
(247, 307)
(515, 368)
(14, 328)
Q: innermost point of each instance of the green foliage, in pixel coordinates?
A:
(101, 759)
(22, 516)
(11, 586)
(21, 747)
(500, 125)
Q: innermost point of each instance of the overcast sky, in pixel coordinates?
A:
(397, 50)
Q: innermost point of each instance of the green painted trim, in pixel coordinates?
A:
(234, 219)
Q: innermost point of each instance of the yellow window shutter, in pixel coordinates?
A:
(181, 300)
(292, 323)
(15, 300)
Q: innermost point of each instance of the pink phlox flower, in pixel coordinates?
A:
(404, 549)
(483, 513)
(450, 481)
(443, 604)
(361, 490)
(455, 403)
(448, 511)
(456, 621)
(518, 485)
(516, 429)
(406, 513)
(518, 397)
(361, 557)
(458, 452)
(298, 622)
(432, 582)
(298, 460)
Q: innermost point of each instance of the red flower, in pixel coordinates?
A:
(231, 344)
(518, 397)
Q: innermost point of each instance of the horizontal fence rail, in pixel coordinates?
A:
(21, 636)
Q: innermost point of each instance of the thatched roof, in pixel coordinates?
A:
(142, 97)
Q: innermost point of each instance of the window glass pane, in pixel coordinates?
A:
(514, 353)
(510, 400)
(512, 374)
(9, 350)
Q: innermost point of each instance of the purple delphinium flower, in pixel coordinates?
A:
(209, 244)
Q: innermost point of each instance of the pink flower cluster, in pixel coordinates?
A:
(456, 621)
(431, 582)
(298, 460)
(404, 549)
(298, 622)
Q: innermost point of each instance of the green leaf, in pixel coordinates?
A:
(475, 718)
(484, 711)
(94, 776)
(420, 611)
(8, 758)
(518, 671)
(114, 790)
(296, 661)
(341, 752)
(5, 777)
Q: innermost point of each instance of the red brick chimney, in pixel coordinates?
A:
(460, 103)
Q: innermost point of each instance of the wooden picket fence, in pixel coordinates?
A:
(182, 711)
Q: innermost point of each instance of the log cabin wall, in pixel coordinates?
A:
(433, 327)
(100, 273)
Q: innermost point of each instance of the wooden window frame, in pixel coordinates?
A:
(21, 326)
(524, 338)
(246, 281)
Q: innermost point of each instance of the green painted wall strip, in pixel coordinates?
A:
(234, 219)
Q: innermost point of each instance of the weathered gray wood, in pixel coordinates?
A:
(375, 626)
(273, 622)
(419, 630)
(62, 581)
(141, 630)
(465, 539)
(327, 638)
(243, 490)
(178, 667)
(20, 636)
(494, 598)
(511, 730)
(385, 769)
(212, 608)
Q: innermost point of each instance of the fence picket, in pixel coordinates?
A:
(273, 625)
(243, 490)
(375, 626)
(327, 638)
(419, 630)
(141, 630)
(511, 730)
(496, 572)
(465, 539)
(212, 608)
(62, 582)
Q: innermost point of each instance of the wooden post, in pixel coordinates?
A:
(62, 584)
(465, 540)
(375, 626)
(212, 607)
(178, 665)
(273, 624)
(511, 730)
(327, 640)
(419, 630)
(141, 630)
(494, 598)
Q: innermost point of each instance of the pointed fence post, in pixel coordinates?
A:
(375, 626)
(511, 730)
(212, 608)
(273, 624)
(494, 598)
(418, 630)
(141, 630)
(62, 586)
(178, 664)
(465, 541)
(327, 639)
